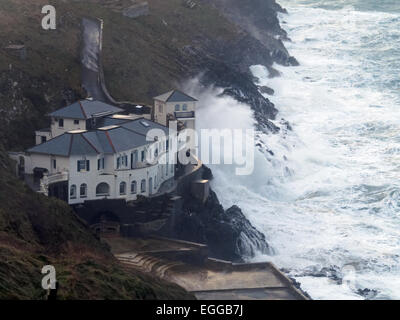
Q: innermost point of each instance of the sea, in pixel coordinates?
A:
(326, 193)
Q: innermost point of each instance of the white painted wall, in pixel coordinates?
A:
(161, 109)
(40, 134)
(159, 173)
(35, 160)
(69, 125)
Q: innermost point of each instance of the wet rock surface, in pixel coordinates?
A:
(228, 234)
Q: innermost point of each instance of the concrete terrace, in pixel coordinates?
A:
(188, 265)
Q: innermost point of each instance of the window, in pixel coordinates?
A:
(43, 139)
(184, 107)
(76, 122)
(122, 161)
(134, 159)
(102, 189)
(122, 188)
(150, 185)
(160, 107)
(125, 160)
(177, 107)
(72, 192)
(118, 162)
(61, 123)
(83, 165)
(54, 162)
(100, 164)
(83, 190)
(156, 152)
(142, 156)
(143, 186)
(133, 187)
(167, 144)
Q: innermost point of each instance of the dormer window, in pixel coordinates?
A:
(61, 123)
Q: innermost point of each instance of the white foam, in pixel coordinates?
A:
(335, 200)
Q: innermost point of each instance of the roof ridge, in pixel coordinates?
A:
(82, 134)
(83, 110)
(110, 141)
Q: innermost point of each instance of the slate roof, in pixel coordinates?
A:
(108, 140)
(85, 109)
(174, 96)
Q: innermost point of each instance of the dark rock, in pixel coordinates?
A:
(267, 90)
(207, 173)
(228, 234)
(368, 293)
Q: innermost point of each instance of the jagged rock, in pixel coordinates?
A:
(267, 90)
(207, 173)
(228, 233)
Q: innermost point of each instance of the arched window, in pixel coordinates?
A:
(122, 188)
(133, 187)
(143, 186)
(184, 107)
(72, 192)
(83, 190)
(102, 189)
(177, 107)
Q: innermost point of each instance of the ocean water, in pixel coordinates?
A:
(328, 199)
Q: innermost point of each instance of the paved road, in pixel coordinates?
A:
(92, 71)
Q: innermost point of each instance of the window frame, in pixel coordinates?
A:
(73, 195)
(133, 190)
(80, 190)
(122, 188)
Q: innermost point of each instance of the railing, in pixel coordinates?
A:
(57, 177)
(185, 114)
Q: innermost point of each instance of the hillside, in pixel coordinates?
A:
(37, 231)
(142, 57)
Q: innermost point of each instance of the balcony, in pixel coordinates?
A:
(184, 115)
(56, 178)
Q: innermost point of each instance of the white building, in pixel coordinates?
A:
(175, 105)
(80, 115)
(90, 152)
